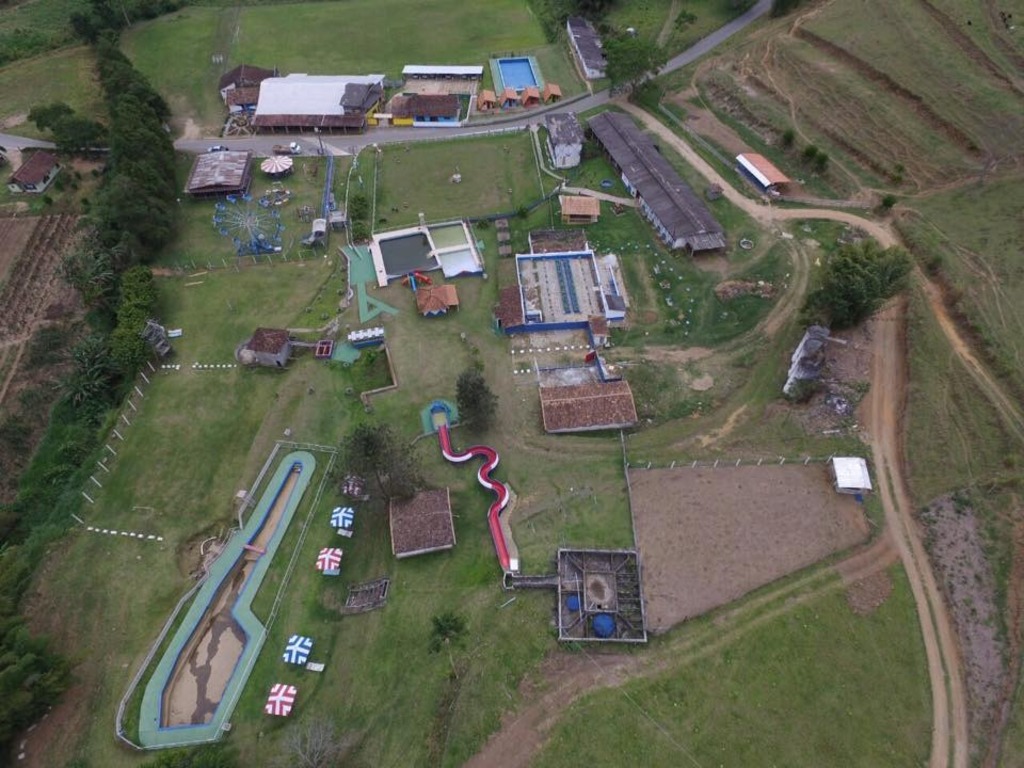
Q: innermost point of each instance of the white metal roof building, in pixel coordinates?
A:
(761, 170)
(441, 71)
(300, 94)
(851, 474)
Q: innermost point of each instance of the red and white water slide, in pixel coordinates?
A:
(483, 475)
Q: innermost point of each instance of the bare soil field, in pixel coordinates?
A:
(14, 235)
(709, 536)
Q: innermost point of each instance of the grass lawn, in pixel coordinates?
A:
(974, 236)
(305, 38)
(800, 689)
(34, 26)
(649, 18)
(67, 75)
(498, 174)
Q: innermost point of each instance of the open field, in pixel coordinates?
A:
(304, 38)
(498, 174)
(876, 101)
(35, 26)
(710, 536)
(65, 75)
(658, 20)
(797, 689)
(972, 237)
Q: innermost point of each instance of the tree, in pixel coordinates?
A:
(316, 743)
(447, 631)
(821, 162)
(89, 385)
(888, 201)
(46, 116)
(632, 59)
(477, 403)
(788, 138)
(374, 450)
(210, 756)
(856, 280)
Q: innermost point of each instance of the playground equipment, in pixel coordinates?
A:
(411, 279)
(318, 233)
(439, 418)
(253, 228)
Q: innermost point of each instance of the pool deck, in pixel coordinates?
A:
(499, 80)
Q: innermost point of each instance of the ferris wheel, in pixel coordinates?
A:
(253, 226)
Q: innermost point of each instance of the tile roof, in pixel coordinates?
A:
(436, 298)
(552, 90)
(35, 169)
(269, 340)
(673, 202)
(579, 205)
(509, 94)
(763, 168)
(426, 105)
(245, 74)
(509, 309)
(584, 407)
(487, 97)
(422, 524)
(243, 96)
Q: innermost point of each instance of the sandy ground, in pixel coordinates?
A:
(205, 665)
(709, 536)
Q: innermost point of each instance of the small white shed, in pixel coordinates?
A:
(850, 474)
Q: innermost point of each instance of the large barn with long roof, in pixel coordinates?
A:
(680, 217)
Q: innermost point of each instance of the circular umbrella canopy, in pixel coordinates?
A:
(276, 164)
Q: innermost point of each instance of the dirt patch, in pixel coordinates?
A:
(956, 547)
(868, 594)
(703, 383)
(13, 121)
(731, 289)
(708, 125)
(709, 536)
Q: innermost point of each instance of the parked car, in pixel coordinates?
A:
(217, 148)
(294, 148)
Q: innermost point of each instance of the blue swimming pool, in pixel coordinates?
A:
(517, 73)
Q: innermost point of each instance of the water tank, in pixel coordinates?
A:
(573, 603)
(603, 625)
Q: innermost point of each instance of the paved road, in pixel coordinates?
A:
(9, 141)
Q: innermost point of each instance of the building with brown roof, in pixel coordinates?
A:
(35, 174)
(486, 100)
(763, 171)
(587, 407)
(243, 76)
(215, 174)
(509, 309)
(422, 524)
(434, 300)
(579, 209)
(242, 99)
(509, 98)
(552, 92)
(531, 96)
(270, 347)
(426, 109)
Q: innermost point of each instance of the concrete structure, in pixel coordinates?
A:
(442, 72)
(680, 217)
(269, 347)
(578, 209)
(850, 475)
(586, 47)
(324, 102)
(35, 174)
(762, 172)
(808, 358)
(565, 139)
(215, 174)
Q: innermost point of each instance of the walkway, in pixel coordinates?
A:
(629, 202)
